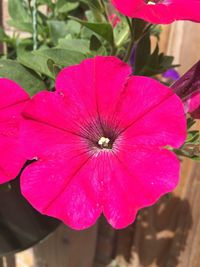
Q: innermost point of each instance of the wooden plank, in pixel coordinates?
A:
(67, 248)
(25, 258)
(10, 261)
(191, 255)
(105, 248)
(1, 262)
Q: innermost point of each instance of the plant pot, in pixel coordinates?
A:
(21, 226)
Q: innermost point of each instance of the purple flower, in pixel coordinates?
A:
(171, 74)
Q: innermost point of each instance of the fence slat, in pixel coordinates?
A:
(10, 261)
(1, 262)
(67, 248)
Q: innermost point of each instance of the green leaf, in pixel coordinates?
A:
(78, 45)
(60, 29)
(20, 25)
(28, 80)
(45, 2)
(190, 122)
(95, 43)
(167, 61)
(156, 30)
(39, 60)
(5, 187)
(61, 57)
(151, 64)
(55, 69)
(18, 11)
(195, 157)
(192, 136)
(63, 6)
(187, 154)
(93, 4)
(57, 30)
(142, 54)
(35, 62)
(20, 15)
(154, 58)
(102, 29)
(139, 26)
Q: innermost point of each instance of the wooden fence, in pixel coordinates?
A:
(165, 235)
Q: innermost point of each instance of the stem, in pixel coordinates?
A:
(146, 30)
(130, 46)
(113, 50)
(122, 39)
(101, 4)
(34, 21)
(105, 11)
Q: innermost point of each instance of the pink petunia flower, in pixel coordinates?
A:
(12, 100)
(100, 140)
(160, 11)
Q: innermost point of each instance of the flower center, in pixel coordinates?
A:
(105, 142)
(100, 134)
(154, 2)
(150, 3)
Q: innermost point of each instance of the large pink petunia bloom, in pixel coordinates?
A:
(100, 140)
(12, 100)
(160, 11)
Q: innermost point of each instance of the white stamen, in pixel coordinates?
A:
(103, 141)
(151, 3)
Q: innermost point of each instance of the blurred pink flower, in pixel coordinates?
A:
(12, 100)
(100, 140)
(192, 105)
(114, 20)
(187, 87)
(160, 11)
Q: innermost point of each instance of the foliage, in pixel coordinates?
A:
(69, 31)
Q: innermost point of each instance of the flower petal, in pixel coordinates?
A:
(12, 101)
(164, 12)
(64, 184)
(171, 74)
(11, 93)
(50, 119)
(138, 178)
(55, 110)
(94, 85)
(74, 179)
(151, 114)
(184, 10)
(37, 137)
